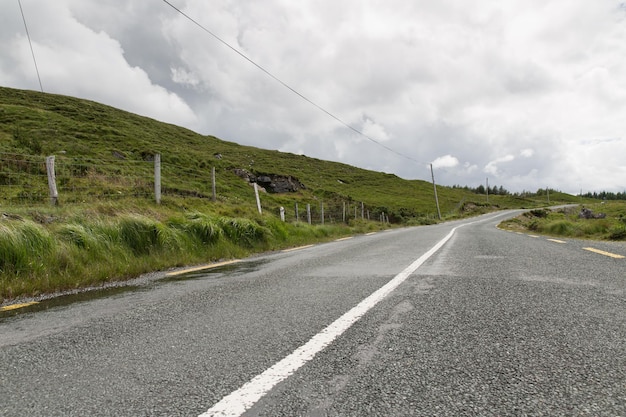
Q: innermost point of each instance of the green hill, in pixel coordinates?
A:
(107, 225)
(95, 142)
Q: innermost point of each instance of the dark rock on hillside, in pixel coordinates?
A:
(585, 213)
(273, 183)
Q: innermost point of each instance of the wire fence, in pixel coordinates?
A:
(25, 181)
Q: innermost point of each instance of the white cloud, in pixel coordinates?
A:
(182, 76)
(527, 153)
(374, 131)
(446, 161)
(532, 80)
(492, 166)
(75, 60)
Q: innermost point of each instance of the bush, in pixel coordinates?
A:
(78, 235)
(203, 228)
(617, 233)
(595, 227)
(559, 227)
(140, 234)
(21, 245)
(243, 231)
(540, 213)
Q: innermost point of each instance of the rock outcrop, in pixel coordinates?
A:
(272, 183)
(585, 213)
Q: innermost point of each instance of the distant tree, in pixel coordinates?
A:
(606, 195)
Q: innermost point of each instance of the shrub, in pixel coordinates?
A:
(617, 233)
(559, 227)
(595, 227)
(540, 213)
(139, 234)
(278, 229)
(78, 235)
(21, 244)
(243, 231)
(171, 238)
(203, 228)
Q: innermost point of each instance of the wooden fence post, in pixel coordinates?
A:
(157, 178)
(297, 214)
(308, 212)
(52, 184)
(258, 200)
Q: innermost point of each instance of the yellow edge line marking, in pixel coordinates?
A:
(556, 241)
(200, 268)
(16, 306)
(298, 248)
(370, 233)
(535, 236)
(601, 252)
(344, 238)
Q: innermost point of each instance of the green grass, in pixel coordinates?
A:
(78, 252)
(102, 152)
(566, 222)
(107, 226)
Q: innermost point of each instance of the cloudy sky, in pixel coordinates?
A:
(528, 93)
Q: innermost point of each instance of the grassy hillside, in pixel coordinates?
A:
(107, 141)
(107, 225)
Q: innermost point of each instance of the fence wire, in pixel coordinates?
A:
(24, 181)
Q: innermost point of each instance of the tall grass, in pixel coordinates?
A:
(245, 232)
(20, 243)
(566, 223)
(204, 228)
(139, 234)
(79, 252)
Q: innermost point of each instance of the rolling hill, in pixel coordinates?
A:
(107, 225)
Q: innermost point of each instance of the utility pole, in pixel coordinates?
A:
(487, 190)
(435, 188)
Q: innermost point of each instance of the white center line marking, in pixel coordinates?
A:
(241, 400)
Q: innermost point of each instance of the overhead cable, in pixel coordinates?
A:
(284, 84)
(31, 45)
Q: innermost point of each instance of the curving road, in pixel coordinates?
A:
(490, 323)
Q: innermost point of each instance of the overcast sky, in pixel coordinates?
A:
(528, 93)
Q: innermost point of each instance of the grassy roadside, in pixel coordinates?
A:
(108, 228)
(567, 223)
(50, 249)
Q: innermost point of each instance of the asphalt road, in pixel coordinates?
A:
(492, 323)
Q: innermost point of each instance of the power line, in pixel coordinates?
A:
(31, 45)
(284, 84)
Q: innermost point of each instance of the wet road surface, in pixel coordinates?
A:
(493, 323)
